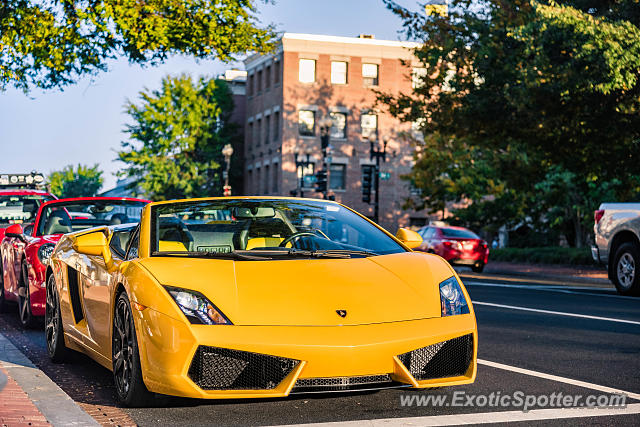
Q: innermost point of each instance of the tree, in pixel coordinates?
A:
(535, 87)
(83, 181)
(51, 44)
(176, 138)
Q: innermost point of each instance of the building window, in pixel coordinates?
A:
(339, 126)
(256, 185)
(307, 71)
(250, 133)
(267, 129)
(249, 182)
(258, 132)
(370, 74)
(276, 72)
(369, 125)
(266, 179)
(338, 72)
(417, 77)
(274, 187)
(251, 83)
(259, 81)
(267, 77)
(337, 176)
(307, 123)
(276, 125)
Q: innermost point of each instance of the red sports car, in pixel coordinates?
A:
(457, 245)
(25, 252)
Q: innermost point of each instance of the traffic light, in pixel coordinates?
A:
(321, 181)
(226, 190)
(367, 182)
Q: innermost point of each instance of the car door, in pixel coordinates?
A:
(97, 289)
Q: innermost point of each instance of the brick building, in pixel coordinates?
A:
(309, 80)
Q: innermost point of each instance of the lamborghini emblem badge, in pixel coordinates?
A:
(342, 313)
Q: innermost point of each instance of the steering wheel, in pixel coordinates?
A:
(296, 236)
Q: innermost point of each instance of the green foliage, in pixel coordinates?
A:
(83, 181)
(548, 255)
(539, 103)
(177, 136)
(51, 44)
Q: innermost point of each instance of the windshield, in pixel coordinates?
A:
(67, 217)
(17, 209)
(458, 233)
(226, 226)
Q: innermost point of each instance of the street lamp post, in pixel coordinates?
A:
(379, 156)
(301, 165)
(227, 152)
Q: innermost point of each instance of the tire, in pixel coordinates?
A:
(24, 302)
(54, 333)
(478, 267)
(626, 269)
(127, 373)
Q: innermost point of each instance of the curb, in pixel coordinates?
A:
(558, 277)
(54, 404)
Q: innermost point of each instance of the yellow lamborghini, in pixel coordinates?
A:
(258, 297)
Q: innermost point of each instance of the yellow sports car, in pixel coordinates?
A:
(258, 297)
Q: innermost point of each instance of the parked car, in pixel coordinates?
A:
(457, 245)
(617, 244)
(26, 252)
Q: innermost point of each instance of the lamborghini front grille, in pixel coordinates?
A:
(449, 358)
(214, 368)
(365, 382)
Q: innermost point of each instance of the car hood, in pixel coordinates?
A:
(305, 292)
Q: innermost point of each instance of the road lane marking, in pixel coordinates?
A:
(553, 288)
(602, 388)
(557, 313)
(488, 417)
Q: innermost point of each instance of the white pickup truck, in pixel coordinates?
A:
(617, 244)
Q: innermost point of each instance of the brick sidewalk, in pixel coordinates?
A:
(16, 409)
(576, 271)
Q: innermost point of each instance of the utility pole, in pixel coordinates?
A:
(323, 177)
(379, 156)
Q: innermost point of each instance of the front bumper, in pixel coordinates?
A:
(177, 358)
(595, 254)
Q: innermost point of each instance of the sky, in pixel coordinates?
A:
(45, 131)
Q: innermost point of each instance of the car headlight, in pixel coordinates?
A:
(198, 309)
(452, 300)
(45, 251)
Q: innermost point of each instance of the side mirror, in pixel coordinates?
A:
(410, 238)
(96, 244)
(15, 230)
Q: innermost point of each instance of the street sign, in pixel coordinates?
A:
(385, 176)
(309, 180)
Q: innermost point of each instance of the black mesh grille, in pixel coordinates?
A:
(365, 382)
(214, 368)
(444, 359)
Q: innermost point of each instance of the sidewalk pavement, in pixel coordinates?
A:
(29, 398)
(592, 275)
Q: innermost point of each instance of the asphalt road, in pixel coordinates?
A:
(535, 338)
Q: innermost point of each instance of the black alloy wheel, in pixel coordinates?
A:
(127, 372)
(24, 301)
(54, 333)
